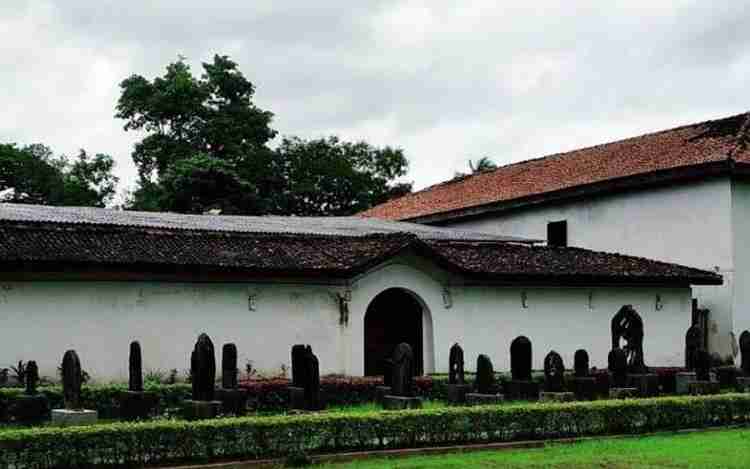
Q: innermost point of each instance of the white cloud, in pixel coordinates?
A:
(446, 81)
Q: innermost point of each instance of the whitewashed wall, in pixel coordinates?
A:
(741, 245)
(689, 225)
(40, 320)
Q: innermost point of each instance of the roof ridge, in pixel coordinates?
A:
(180, 231)
(466, 177)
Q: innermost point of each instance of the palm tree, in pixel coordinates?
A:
(482, 164)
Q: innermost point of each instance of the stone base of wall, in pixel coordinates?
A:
(67, 417)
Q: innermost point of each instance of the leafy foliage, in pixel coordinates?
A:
(206, 150)
(479, 166)
(482, 164)
(161, 442)
(32, 175)
(331, 177)
(200, 130)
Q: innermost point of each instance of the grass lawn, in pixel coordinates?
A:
(715, 449)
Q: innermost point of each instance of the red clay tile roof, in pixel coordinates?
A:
(722, 140)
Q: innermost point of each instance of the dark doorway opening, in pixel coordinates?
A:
(393, 317)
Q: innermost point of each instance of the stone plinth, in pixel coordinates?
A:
(138, 405)
(296, 398)
(516, 390)
(28, 409)
(583, 388)
(457, 393)
(233, 401)
(199, 410)
(683, 380)
(743, 384)
(401, 403)
(68, 417)
(546, 396)
(474, 398)
(381, 392)
(647, 384)
(703, 388)
(623, 393)
(727, 376)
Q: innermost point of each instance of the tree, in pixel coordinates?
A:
(33, 175)
(208, 120)
(330, 177)
(206, 149)
(482, 164)
(203, 183)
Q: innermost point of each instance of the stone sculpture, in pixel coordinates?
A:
(581, 363)
(229, 370)
(456, 364)
(32, 378)
(30, 407)
(387, 372)
(521, 386)
(520, 359)
(693, 343)
(627, 325)
(203, 369)
(618, 367)
(312, 381)
(554, 372)
(583, 384)
(745, 352)
(403, 371)
(72, 379)
(135, 362)
(233, 399)
(298, 359)
(485, 380)
(402, 380)
(702, 363)
(135, 404)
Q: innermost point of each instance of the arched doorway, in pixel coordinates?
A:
(394, 316)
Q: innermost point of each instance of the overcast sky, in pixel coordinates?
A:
(445, 81)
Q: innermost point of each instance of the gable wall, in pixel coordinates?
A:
(741, 242)
(687, 224)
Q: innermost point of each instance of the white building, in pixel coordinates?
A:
(680, 195)
(95, 279)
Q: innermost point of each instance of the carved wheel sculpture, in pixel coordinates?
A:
(627, 325)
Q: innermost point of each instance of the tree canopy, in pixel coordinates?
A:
(206, 148)
(33, 175)
(205, 139)
(330, 177)
(482, 164)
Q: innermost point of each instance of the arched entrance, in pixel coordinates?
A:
(394, 316)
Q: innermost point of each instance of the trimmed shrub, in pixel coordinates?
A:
(104, 398)
(160, 442)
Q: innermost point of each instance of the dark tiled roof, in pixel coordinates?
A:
(571, 265)
(693, 145)
(142, 247)
(27, 242)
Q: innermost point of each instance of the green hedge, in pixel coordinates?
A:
(137, 444)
